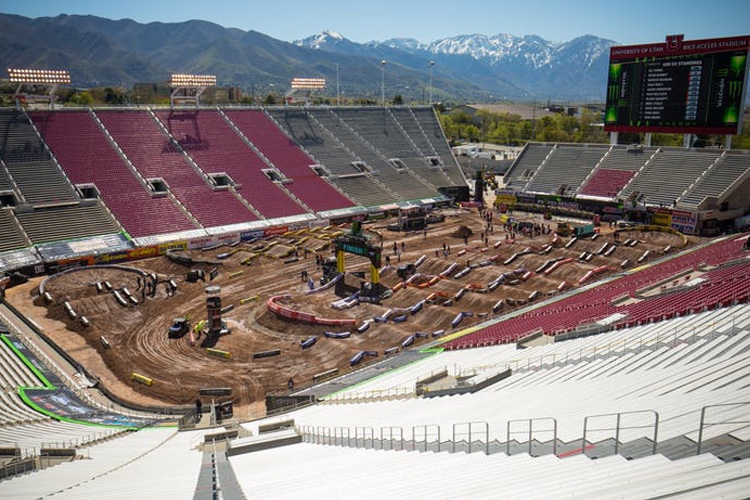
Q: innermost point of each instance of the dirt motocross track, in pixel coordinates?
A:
(138, 338)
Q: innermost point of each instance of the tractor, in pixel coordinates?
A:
(180, 326)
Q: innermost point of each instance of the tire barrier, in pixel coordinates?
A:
(448, 303)
(497, 244)
(457, 320)
(562, 286)
(227, 309)
(398, 286)
(438, 333)
(337, 335)
(407, 341)
(420, 261)
(104, 342)
(47, 298)
(462, 273)
(119, 298)
(459, 294)
(667, 249)
(326, 286)
(557, 264)
(545, 250)
(421, 335)
(625, 263)
(571, 242)
(461, 252)
(266, 354)
(400, 319)
(325, 374)
(610, 250)
(416, 307)
(99, 287)
(108, 286)
(84, 321)
(449, 270)
(235, 274)
(497, 307)
(309, 342)
(364, 326)
(644, 256)
(592, 272)
(141, 379)
(172, 285)
(603, 248)
(525, 276)
(69, 309)
(218, 353)
(390, 350)
(284, 312)
(534, 295)
(347, 302)
(357, 358)
(248, 300)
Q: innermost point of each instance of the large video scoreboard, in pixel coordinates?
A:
(679, 86)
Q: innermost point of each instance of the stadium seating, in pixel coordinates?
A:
(579, 309)
(402, 181)
(265, 475)
(28, 161)
(11, 235)
(668, 174)
(606, 183)
(216, 148)
(526, 165)
(731, 168)
(67, 222)
(565, 169)
(289, 159)
(148, 149)
(428, 122)
(88, 157)
(333, 156)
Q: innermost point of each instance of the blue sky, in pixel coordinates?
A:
(628, 22)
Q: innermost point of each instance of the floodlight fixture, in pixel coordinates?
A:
(49, 78)
(186, 80)
(46, 76)
(189, 84)
(308, 83)
(305, 86)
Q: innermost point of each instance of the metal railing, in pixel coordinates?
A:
(530, 432)
(704, 424)
(618, 427)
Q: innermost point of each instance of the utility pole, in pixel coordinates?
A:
(382, 82)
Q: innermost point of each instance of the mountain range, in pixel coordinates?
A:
(100, 51)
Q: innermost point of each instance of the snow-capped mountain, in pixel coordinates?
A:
(575, 69)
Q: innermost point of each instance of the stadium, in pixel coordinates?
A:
(300, 300)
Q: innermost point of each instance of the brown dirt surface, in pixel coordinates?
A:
(138, 335)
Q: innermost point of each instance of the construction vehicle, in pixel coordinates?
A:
(180, 326)
(564, 229)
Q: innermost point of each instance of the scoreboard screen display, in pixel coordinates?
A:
(678, 86)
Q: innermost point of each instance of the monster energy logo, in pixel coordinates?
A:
(735, 89)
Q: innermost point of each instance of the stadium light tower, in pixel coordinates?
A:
(50, 78)
(306, 86)
(338, 103)
(382, 82)
(432, 63)
(190, 84)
